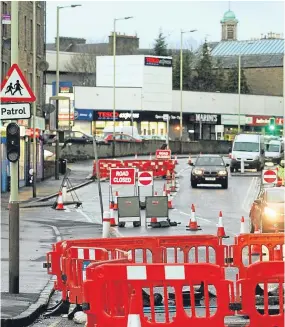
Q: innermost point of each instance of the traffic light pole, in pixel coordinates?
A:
(14, 236)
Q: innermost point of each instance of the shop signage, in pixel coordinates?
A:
(122, 176)
(262, 120)
(160, 62)
(108, 115)
(206, 118)
(232, 120)
(65, 89)
(83, 114)
(164, 117)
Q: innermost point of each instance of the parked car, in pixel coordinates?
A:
(267, 211)
(209, 169)
(250, 148)
(120, 137)
(274, 152)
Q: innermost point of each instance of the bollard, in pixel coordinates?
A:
(106, 225)
(64, 193)
(242, 166)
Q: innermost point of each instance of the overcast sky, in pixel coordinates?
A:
(94, 20)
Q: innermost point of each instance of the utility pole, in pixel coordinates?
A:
(34, 103)
(56, 172)
(14, 230)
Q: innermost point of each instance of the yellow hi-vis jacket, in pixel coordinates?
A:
(280, 173)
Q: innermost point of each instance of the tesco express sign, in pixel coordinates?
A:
(122, 176)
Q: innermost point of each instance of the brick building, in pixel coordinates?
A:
(26, 44)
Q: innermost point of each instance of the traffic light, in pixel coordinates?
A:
(272, 123)
(13, 142)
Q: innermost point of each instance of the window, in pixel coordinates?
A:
(31, 29)
(39, 44)
(209, 161)
(4, 26)
(25, 34)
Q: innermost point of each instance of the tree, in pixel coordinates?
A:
(187, 71)
(204, 80)
(232, 81)
(219, 77)
(160, 46)
(83, 66)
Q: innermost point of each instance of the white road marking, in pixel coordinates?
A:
(248, 199)
(88, 218)
(67, 210)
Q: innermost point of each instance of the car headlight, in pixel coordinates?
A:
(198, 172)
(270, 212)
(222, 173)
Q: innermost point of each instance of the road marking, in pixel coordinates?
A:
(56, 232)
(67, 210)
(88, 218)
(199, 218)
(247, 199)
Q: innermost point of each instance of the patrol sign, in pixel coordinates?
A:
(11, 111)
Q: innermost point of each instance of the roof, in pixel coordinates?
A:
(229, 16)
(254, 47)
(250, 61)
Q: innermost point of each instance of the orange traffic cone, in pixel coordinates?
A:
(134, 319)
(116, 200)
(112, 218)
(164, 191)
(170, 205)
(173, 186)
(168, 176)
(175, 160)
(242, 225)
(59, 202)
(221, 230)
(155, 194)
(150, 157)
(167, 189)
(136, 156)
(193, 226)
(277, 253)
(256, 249)
(189, 159)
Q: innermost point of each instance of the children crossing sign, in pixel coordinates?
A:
(15, 87)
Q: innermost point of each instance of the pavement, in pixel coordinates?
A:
(50, 225)
(39, 228)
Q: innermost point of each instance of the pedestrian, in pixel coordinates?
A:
(9, 89)
(17, 87)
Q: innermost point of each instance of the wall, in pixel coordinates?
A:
(129, 71)
(101, 98)
(82, 152)
(265, 80)
(224, 103)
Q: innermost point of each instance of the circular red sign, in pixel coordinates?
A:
(145, 178)
(269, 176)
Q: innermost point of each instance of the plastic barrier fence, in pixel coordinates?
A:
(106, 310)
(160, 168)
(265, 273)
(168, 249)
(252, 247)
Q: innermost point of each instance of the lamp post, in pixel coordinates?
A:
(114, 78)
(181, 81)
(57, 86)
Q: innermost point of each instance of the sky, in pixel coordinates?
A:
(94, 20)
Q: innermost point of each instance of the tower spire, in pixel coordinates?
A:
(229, 5)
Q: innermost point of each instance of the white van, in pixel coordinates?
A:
(274, 151)
(250, 148)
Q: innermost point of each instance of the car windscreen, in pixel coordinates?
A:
(246, 146)
(275, 195)
(273, 148)
(209, 161)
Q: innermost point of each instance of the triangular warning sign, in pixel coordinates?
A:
(15, 88)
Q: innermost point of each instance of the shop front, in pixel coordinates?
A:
(230, 123)
(260, 124)
(202, 126)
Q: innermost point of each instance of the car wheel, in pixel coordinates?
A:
(225, 184)
(193, 184)
(232, 170)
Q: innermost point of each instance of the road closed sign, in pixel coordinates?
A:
(269, 176)
(145, 178)
(163, 154)
(122, 176)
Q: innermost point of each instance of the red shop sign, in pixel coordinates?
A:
(262, 120)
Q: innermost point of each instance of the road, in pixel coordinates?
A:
(209, 201)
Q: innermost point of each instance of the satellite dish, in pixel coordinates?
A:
(43, 66)
(48, 108)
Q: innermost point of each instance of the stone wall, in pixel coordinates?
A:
(83, 152)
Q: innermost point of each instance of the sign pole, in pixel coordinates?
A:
(14, 236)
(34, 103)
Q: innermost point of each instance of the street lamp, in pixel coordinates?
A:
(114, 77)
(239, 83)
(181, 80)
(57, 85)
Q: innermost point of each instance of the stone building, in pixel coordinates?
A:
(26, 44)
